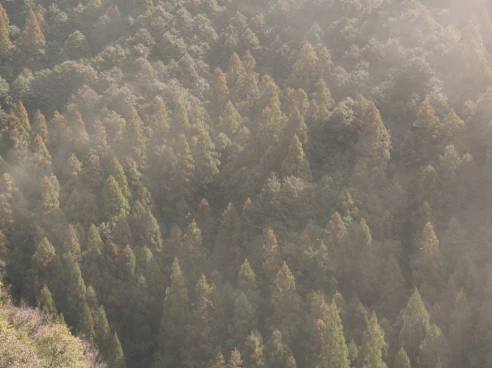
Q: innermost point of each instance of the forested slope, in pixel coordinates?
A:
(228, 183)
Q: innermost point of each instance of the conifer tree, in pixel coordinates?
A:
(305, 71)
(285, 303)
(102, 332)
(235, 360)
(415, 324)
(183, 168)
(159, 121)
(202, 327)
(334, 351)
(278, 353)
(39, 126)
(460, 330)
(46, 266)
(227, 251)
(41, 158)
(76, 296)
(115, 356)
(79, 138)
(372, 344)
(145, 229)
(5, 43)
(31, 41)
(21, 113)
(244, 321)
(113, 200)
(401, 360)
(434, 348)
(58, 130)
(295, 163)
(271, 257)
(219, 361)
(172, 340)
(76, 46)
(427, 265)
(71, 244)
(230, 120)
(135, 139)
(393, 290)
(219, 93)
(374, 141)
(271, 124)
(46, 302)
(254, 351)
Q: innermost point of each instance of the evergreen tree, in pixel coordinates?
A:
(295, 163)
(401, 360)
(434, 348)
(5, 43)
(415, 324)
(39, 126)
(102, 332)
(219, 93)
(46, 302)
(115, 356)
(31, 41)
(427, 264)
(253, 351)
(373, 343)
(230, 120)
(76, 296)
(172, 341)
(113, 200)
(219, 361)
(305, 71)
(271, 257)
(334, 351)
(278, 353)
(227, 251)
(394, 290)
(235, 360)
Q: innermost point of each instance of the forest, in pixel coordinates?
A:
(245, 184)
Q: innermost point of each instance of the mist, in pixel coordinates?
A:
(227, 183)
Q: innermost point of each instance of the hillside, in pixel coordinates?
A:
(227, 183)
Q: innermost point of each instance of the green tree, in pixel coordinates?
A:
(173, 348)
(235, 360)
(334, 351)
(5, 43)
(278, 352)
(115, 357)
(427, 265)
(46, 302)
(31, 41)
(434, 348)
(401, 360)
(76, 46)
(295, 163)
(271, 257)
(39, 126)
(373, 343)
(227, 251)
(415, 324)
(102, 332)
(305, 71)
(230, 120)
(219, 361)
(219, 93)
(254, 351)
(113, 200)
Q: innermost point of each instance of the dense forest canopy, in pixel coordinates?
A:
(246, 183)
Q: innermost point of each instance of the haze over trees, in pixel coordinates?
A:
(246, 184)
